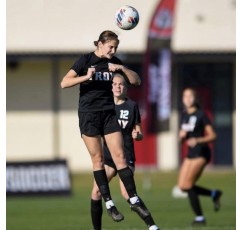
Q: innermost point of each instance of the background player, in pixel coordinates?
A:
(97, 118)
(197, 131)
(130, 122)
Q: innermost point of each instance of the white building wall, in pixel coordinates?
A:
(29, 135)
(61, 26)
(30, 118)
(205, 26)
(71, 26)
(72, 146)
(167, 145)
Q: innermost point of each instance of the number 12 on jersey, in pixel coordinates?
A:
(124, 114)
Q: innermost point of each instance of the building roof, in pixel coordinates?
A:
(205, 26)
(55, 26)
(71, 26)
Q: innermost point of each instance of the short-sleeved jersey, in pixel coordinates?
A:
(194, 124)
(96, 93)
(128, 116)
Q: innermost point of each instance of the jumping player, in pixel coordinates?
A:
(197, 131)
(130, 122)
(97, 117)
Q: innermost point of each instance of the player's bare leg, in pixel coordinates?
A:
(94, 147)
(114, 143)
(96, 203)
(190, 172)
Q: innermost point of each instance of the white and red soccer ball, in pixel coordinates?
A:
(126, 17)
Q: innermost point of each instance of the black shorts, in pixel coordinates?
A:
(204, 152)
(98, 123)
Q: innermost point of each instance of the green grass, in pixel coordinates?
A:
(72, 213)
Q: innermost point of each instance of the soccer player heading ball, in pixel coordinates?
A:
(97, 116)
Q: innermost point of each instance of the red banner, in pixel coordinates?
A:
(156, 83)
(162, 22)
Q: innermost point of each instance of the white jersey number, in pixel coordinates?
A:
(124, 114)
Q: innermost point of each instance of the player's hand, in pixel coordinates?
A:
(115, 67)
(136, 135)
(192, 142)
(90, 72)
(182, 134)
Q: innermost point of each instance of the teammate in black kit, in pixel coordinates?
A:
(130, 122)
(197, 131)
(97, 117)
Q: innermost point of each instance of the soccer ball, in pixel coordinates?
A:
(126, 17)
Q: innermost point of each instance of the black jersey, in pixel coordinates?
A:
(194, 124)
(96, 93)
(128, 116)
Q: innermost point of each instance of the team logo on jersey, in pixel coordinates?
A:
(123, 123)
(102, 76)
(189, 127)
(124, 118)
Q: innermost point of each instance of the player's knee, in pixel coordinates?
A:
(95, 194)
(119, 155)
(119, 159)
(97, 160)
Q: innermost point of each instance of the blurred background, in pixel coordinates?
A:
(177, 43)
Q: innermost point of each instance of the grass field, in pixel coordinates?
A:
(72, 213)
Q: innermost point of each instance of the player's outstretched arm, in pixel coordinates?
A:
(132, 76)
(71, 78)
